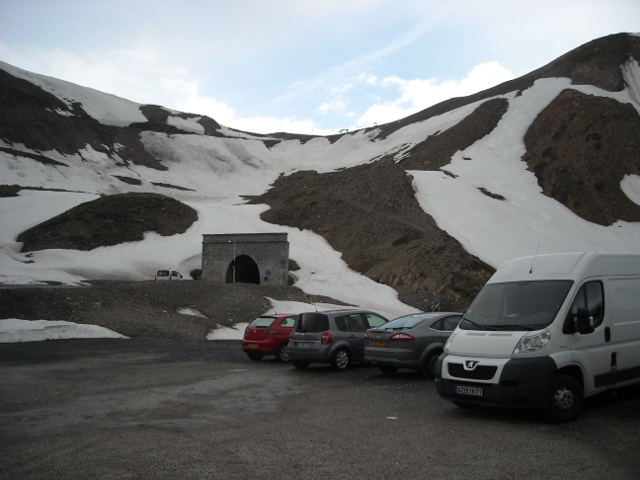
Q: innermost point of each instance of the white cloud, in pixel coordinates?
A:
(337, 106)
(418, 94)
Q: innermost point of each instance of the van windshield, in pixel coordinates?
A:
(516, 305)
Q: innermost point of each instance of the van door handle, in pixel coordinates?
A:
(607, 334)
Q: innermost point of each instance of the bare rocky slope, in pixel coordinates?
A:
(186, 310)
(579, 147)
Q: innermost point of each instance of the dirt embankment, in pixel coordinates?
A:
(185, 310)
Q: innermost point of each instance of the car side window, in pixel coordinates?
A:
(341, 324)
(450, 323)
(591, 297)
(288, 322)
(375, 321)
(357, 323)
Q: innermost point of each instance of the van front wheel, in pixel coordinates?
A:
(564, 400)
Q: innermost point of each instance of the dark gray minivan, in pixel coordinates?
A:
(333, 336)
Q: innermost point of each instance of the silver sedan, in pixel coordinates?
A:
(412, 341)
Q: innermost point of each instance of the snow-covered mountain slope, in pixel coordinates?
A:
(62, 145)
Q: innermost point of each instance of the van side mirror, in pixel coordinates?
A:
(583, 321)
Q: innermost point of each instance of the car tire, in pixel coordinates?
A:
(300, 365)
(387, 370)
(429, 367)
(565, 399)
(340, 360)
(255, 356)
(282, 354)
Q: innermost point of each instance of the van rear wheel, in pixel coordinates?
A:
(564, 400)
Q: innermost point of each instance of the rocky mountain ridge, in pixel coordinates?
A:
(580, 148)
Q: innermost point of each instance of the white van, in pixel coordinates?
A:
(168, 274)
(545, 332)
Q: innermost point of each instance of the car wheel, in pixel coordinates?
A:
(564, 400)
(429, 367)
(340, 360)
(282, 355)
(387, 370)
(300, 365)
(255, 356)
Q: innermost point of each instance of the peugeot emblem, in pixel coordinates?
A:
(470, 365)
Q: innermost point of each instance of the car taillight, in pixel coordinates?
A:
(402, 337)
(326, 338)
(366, 335)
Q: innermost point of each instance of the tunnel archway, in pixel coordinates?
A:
(245, 270)
(258, 258)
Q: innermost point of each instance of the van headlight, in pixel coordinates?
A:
(533, 342)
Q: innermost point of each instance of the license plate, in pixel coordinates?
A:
(252, 346)
(469, 391)
(304, 344)
(378, 343)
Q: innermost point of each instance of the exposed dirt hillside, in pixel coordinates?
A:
(109, 221)
(371, 215)
(186, 310)
(580, 148)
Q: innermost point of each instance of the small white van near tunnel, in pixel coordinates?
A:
(546, 332)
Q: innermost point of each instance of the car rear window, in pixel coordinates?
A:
(162, 273)
(407, 322)
(262, 322)
(312, 323)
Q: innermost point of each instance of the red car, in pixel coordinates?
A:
(269, 335)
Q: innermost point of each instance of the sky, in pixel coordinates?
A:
(217, 173)
(299, 66)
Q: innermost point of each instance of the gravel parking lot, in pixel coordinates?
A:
(145, 409)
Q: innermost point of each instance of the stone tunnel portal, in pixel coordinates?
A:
(258, 258)
(243, 269)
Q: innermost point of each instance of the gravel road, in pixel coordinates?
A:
(150, 409)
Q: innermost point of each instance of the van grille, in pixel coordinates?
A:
(481, 372)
